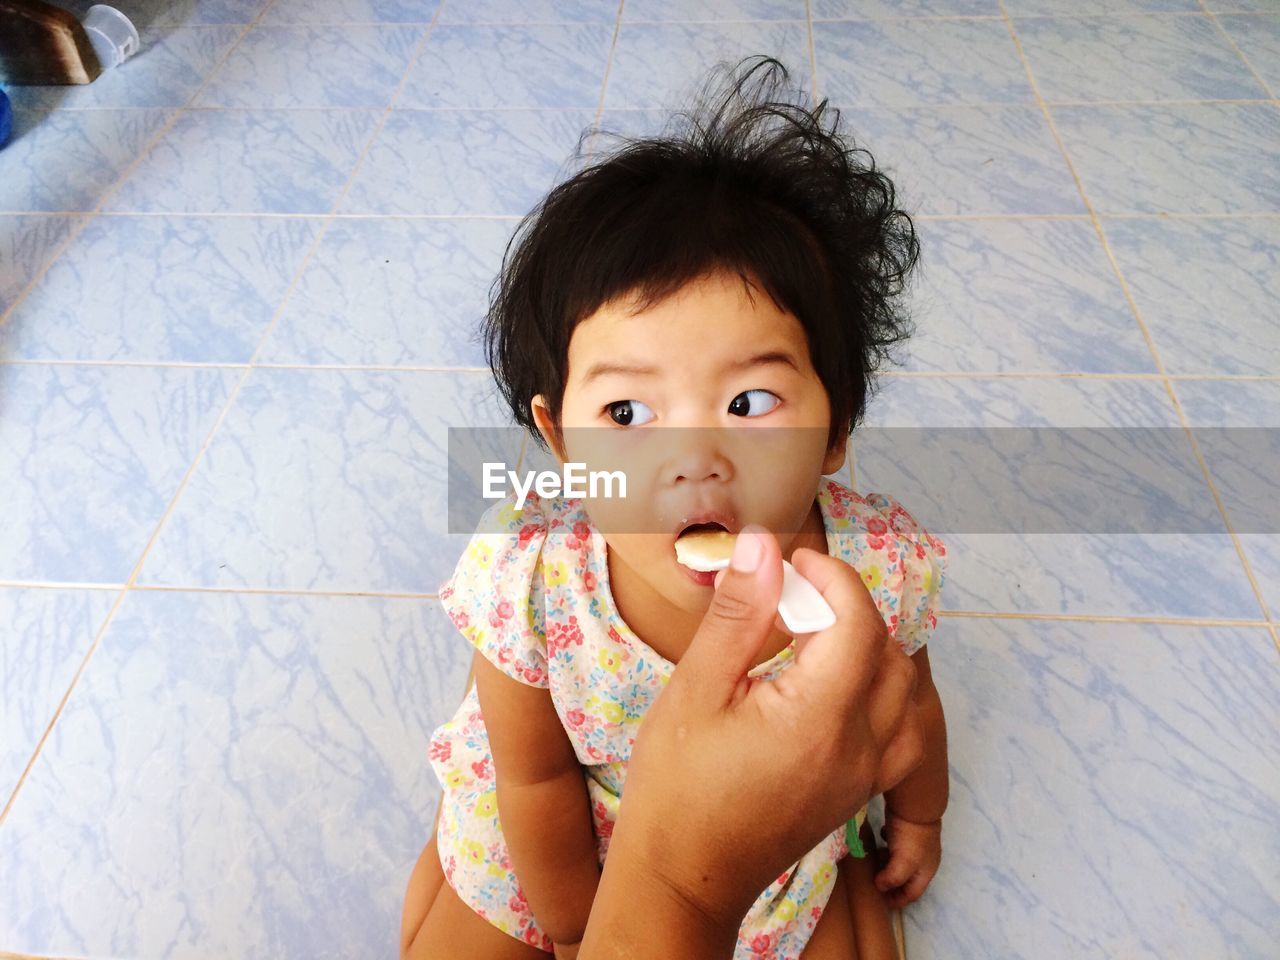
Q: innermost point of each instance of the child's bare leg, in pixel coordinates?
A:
(832, 938)
(424, 884)
(872, 922)
(448, 928)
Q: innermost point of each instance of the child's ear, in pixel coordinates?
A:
(546, 426)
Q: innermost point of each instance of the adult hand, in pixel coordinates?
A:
(732, 779)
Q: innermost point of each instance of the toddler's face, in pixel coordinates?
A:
(709, 404)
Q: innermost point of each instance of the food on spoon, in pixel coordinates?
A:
(705, 550)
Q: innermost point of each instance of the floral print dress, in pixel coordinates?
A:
(531, 593)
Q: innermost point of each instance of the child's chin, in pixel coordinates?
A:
(688, 595)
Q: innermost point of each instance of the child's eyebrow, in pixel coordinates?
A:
(606, 367)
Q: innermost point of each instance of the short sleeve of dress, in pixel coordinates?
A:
(924, 563)
(495, 596)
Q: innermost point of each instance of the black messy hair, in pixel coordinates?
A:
(756, 185)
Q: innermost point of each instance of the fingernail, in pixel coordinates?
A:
(746, 552)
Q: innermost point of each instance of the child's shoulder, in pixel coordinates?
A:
(534, 516)
(902, 564)
(878, 515)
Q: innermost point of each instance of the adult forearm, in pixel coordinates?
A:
(922, 797)
(552, 845)
(637, 915)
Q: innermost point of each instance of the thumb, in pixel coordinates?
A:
(740, 618)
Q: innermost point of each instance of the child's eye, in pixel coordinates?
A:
(741, 405)
(623, 412)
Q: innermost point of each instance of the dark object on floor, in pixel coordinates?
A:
(6, 119)
(42, 44)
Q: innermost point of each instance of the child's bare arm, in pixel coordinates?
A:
(542, 802)
(922, 797)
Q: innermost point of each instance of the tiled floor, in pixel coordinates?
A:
(238, 278)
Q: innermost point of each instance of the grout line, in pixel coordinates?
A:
(226, 408)
(604, 85)
(415, 368)
(890, 19)
(1275, 636)
(1108, 618)
(844, 105)
(1146, 333)
(1213, 16)
(230, 591)
(941, 217)
(453, 24)
(72, 234)
(1172, 621)
(813, 57)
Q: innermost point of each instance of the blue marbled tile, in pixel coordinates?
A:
(391, 292)
(1179, 158)
(1032, 563)
(546, 65)
(161, 74)
(290, 67)
(155, 18)
(173, 12)
(967, 160)
(161, 289)
(630, 123)
(66, 160)
(326, 480)
(1113, 793)
(1082, 8)
(893, 63)
(942, 160)
(26, 243)
(1237, 426)
(46, 635)
(242, 161)
(352, 11)
(235, 776)
(531, 11)
(464, 162)
(1006, 296)
(1134, 58)
(1259, 40)
(1263, 552)
(1242, 6)
(857, 9)
(664, 65)
(1207, 290)
(93, 455)
(714, 10)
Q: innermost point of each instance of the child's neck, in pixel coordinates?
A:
(668, 629)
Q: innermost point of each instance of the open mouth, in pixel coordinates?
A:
(709, 526)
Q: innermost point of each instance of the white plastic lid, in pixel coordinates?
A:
(113, 36)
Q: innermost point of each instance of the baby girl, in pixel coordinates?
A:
(737, 279)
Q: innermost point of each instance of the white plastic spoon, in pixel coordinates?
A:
(801, 605)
